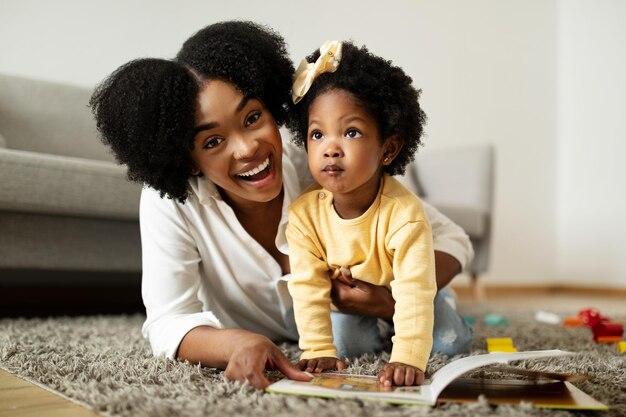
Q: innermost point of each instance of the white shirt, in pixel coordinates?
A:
(201, 268)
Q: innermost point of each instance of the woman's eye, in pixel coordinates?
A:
(316, 135)
(213, 142)
(253, 118)
(353, 133)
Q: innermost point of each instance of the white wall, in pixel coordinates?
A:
(591, 179)
(488, 70)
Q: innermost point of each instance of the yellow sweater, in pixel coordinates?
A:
(389, 245)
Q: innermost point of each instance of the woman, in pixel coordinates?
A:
(202, 130)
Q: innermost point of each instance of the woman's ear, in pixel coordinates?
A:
(194, 171)
(391, 148)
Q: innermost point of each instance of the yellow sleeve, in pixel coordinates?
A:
(309, 287)
(413, 288)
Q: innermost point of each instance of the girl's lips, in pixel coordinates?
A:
(332, 168)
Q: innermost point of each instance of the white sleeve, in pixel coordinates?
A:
(448, 237)
(171, 276)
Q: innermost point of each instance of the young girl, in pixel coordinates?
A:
(201, 133)
(358, 117)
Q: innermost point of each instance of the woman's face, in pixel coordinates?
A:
(237, 144)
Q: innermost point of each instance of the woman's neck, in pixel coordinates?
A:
(261, 221)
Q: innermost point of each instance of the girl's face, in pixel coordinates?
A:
(237, 144)
(345, 151)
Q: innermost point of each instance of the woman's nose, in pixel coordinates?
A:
(245, 148)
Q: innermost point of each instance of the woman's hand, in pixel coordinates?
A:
(396, 373)
(318, 365)
(244, 355)
(352, 296)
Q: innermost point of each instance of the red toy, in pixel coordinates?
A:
(590, 316)
(607, 328)
(600, 326)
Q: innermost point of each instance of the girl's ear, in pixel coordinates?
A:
(391, 148)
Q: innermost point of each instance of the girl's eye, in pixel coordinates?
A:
(316, 135)
(212, 142)
(253, 118)
(353, 133)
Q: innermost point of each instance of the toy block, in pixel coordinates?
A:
(500, 344)
(621, 347)
(495, 320)
(547, 317)
(573, 322)
(469, 320)
(608, 339)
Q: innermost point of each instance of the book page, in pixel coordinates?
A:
(454, 369)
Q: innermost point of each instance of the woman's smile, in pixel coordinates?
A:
(237, 145)
(259, 172)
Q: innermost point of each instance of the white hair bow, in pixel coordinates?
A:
(307, 72)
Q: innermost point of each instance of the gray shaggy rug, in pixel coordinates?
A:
(104, 364)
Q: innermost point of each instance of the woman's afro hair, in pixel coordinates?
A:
(384, 89)
(145, 110)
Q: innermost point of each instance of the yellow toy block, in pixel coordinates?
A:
(621, 346)
(500, 344)
(501, 348)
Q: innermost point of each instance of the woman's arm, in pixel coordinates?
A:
(243, 355)
(358, 297)
(176, 324)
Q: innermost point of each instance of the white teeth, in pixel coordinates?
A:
(256, 170)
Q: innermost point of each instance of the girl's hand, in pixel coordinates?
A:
(318, 365)
(252, 354)
(396, 373)
(352, 296)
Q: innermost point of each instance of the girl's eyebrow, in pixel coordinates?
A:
(211, 125)
(352, 118)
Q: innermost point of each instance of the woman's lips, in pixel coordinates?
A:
(257, 173)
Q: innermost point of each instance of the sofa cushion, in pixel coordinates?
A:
(3, 141)
(49, 117)
(37, 183)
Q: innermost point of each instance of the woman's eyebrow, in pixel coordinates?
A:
(211, 125)
(206, 126)
(243, 103)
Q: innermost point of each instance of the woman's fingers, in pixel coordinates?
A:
(283, 365)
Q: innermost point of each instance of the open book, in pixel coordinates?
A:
(336, 385)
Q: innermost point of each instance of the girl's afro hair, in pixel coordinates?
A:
(145, 110)
(385, 90)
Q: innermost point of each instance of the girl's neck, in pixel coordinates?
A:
(356, 202)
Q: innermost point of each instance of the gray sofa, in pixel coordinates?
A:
(68, 215)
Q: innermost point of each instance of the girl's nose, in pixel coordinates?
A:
(333, 150)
